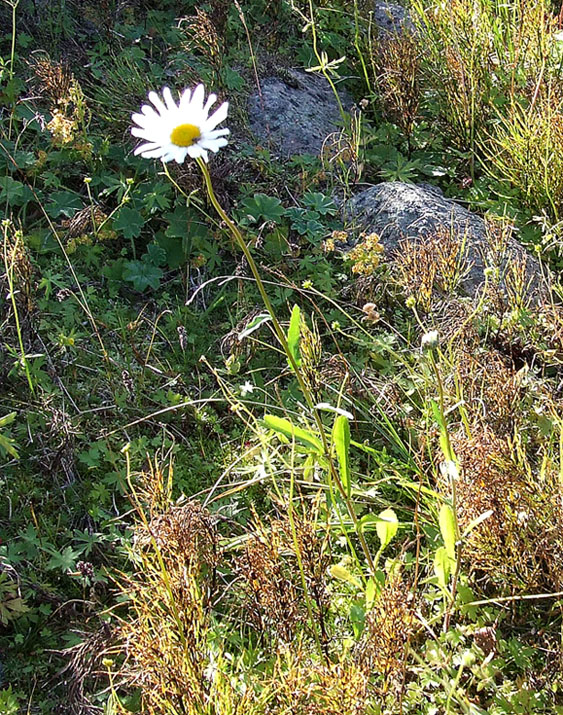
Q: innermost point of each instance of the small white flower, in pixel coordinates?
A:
(429, 341)
(174, 131)
(247, 388)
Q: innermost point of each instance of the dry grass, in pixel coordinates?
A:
(520, 546)
(395, 64)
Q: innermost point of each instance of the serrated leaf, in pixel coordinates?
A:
(129, 222)
(341, 443)
(292, 432)
(233, 80)
(320, 203)
(64, 560)
(63, 203)
(11, 608)
(261, 206)
(11, 190)
(447, 523)
(294, 335)
(142, 275)
(155, 255)
(182, 223)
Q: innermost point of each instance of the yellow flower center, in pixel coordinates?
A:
(185, 135)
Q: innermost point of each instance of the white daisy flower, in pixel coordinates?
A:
(174, 131)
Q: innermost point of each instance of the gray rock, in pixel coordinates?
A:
(294, 115)
(390, 17)
(395, 211)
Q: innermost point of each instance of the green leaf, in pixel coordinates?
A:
(320, 203)
(373, 588)
(174, 250)
(342, 574)
(341, 442)
(275, 242)
(386, 524)
(6, 442)
(64, 560)
(289, 430)
(63, 203)
(155, 255)
(357, 619)
(11, 190)
(7, 446)
(233, 80)
(183, 223)
(7, 419)
(261, 206)
(294, 334)
(443, 566)
(447, 523)
(254, 324)
(129, 222)
(386, 527)
(142, 274)
(444, 441)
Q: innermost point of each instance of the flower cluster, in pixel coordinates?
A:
(366, 254)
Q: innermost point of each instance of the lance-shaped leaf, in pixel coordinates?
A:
(443, 566)
(254, 324)
(341, 442)
(293, 335)
(448, 529)
(292, 432)
(386, 525)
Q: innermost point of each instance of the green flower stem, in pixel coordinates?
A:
(233, 228)
(14, 4)
(450, 456)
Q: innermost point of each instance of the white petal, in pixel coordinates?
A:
(155, 153)
(196, 104)
(147, 110)
(149, 146)
(185, 99)
(215, 133)
(180, 154)
(142, 133)
(213, 144)
(170, 103)
(217, 117)
(195, 151)
(210, 101)
(141, 119)
(158, 103)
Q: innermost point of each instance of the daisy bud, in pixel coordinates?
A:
(429, 341)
